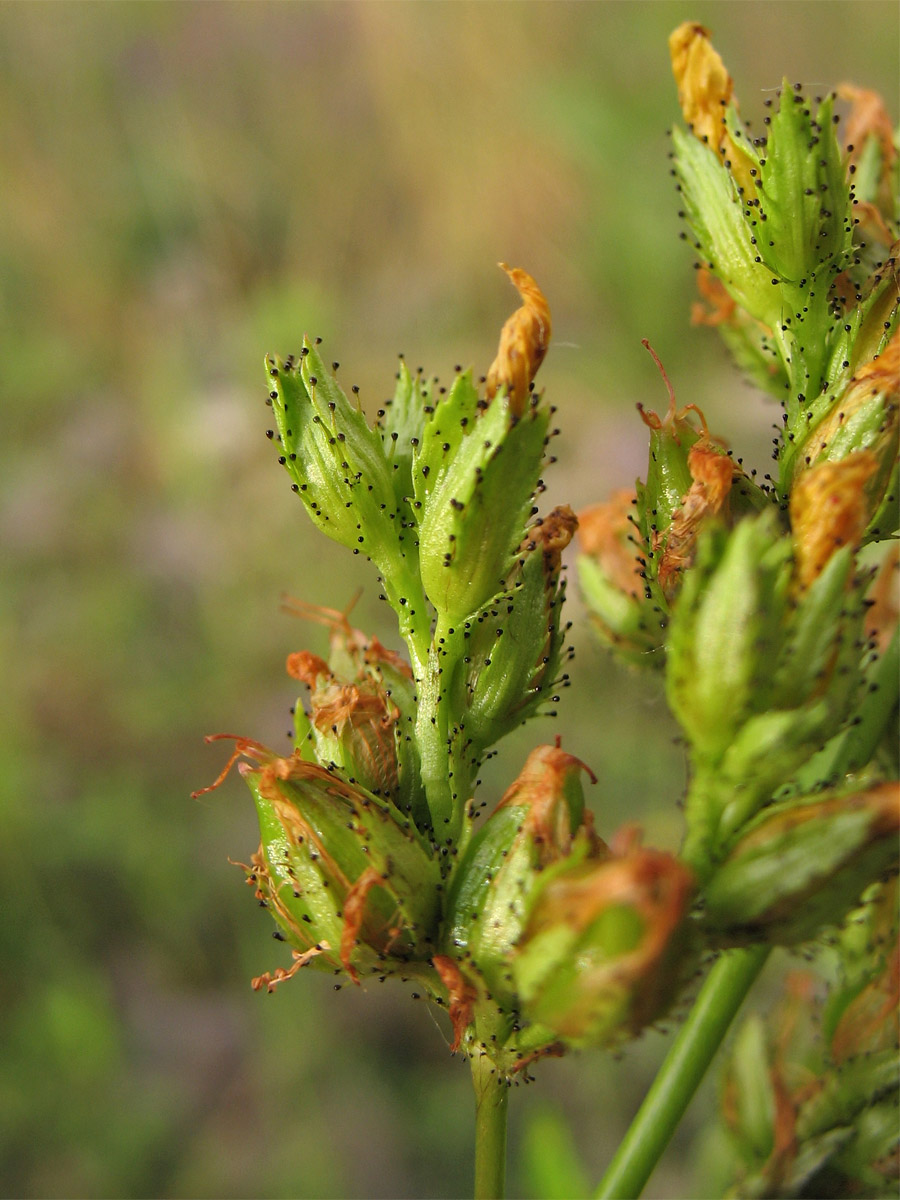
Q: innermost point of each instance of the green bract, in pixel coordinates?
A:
(475, 475)
(802, 865)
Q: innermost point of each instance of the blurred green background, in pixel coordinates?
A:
(184, 187)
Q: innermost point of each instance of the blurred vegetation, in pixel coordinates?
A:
(186, 186)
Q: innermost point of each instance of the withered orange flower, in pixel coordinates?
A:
(541, 786)
(523, 342)
(829, 509)
(608, 534)
(867, 118)
(705, 89)
(712, 473)
(552, 533)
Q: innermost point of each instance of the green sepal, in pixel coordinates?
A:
(401, 423)
(513, 651)
(715, 211)
(299, 886)
(539, 821)
(451, 420)
(474, 507)
(749, 1086)
(800, 866)
(804, 199)
(336, 461)
(725, 632)
(633, 626)
(303, 733)
(668, 477)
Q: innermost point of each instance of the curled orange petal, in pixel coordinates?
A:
(712, 473)
(461, 993)
(705, 89)
(829, 509)
(523, 343)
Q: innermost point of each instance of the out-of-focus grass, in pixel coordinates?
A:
(185, 187)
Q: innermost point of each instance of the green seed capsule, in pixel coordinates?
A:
(348, 879)
(536, 823)
(605, 946)
(802, 865)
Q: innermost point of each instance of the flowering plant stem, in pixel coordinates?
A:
(491, 1106)
(692, 1051)
(733, 974)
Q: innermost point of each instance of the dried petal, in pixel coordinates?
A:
(705, 89)
(829, 509)
(712, 473)
(461, 993)
(867, 118)
(523, 343)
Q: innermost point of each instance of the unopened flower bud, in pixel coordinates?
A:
(796, 185)
(862, 427)
(810, 1096)
(515, 645)
(336, 461)
(860, 1010)
(605, 945)
(691, 479)
(627, 610)
(801, 865)
(761, 672)
(535, 824)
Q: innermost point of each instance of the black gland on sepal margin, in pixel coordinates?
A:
(515, 644)
(337, 462)
(401, 423)
(475, 478)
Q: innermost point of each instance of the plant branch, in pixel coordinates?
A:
(671, 1091)
(491, 1104)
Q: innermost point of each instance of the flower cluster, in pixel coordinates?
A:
(529, 929)
(751, 598)
(371, 860)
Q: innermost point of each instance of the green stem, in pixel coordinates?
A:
(491, 1103)
(671, 1091)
